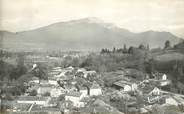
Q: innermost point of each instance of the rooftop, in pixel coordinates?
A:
(74, 94)
(37, 108)
(122, 83)
(95, 86)
(32, 98)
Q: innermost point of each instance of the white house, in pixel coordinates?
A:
(164, 77)
(84, 91)
(125, 86)
(81, 70)
(155, 91)
(70, 68)
(57, 69)
(89, 73)
(165, 82)
(95, 90)
(75, 97)
(33, 100)
(56, 92)
(42, 89)
(52, 81)
(34, 80)
(134, 87)
(170, 100)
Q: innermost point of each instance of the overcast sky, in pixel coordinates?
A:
(135, 15)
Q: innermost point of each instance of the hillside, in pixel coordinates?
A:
(83, 34)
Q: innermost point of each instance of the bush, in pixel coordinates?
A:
(33, 93)
(46, 94)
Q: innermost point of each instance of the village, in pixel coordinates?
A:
(71, 89)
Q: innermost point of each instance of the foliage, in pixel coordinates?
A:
(33, 93)
(167, 44)
(46, 94)
(5, 70)
(41, 71)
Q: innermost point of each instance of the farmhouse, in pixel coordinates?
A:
(83, 90)
(125, 86)
(75, 98)
(56, 92)
(95, 90)
(52, 81)
(42, 89)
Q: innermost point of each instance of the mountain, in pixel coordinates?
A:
(83, 34)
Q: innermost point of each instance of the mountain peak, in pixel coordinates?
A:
(87, 33)
(93, 20)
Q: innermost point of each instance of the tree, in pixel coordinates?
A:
(141, 46)
(46, 94)
(167, 44)
(130, 50)
(149, 66)
(5, 70)
(114, 50)
(125, 49)
(33, 93)
(41, 72)
(148, 47)
(20, 69)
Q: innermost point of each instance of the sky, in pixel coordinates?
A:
(134, 15)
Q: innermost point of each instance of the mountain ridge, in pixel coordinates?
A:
(83, 34)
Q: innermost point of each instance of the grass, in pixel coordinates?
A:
(166, 57)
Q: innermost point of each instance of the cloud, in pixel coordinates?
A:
(136, 15)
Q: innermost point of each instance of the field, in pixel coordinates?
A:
(170, 57)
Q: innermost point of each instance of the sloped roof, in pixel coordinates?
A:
(74, 94)
(32, 98)
(37, 108)
(95, 86)
(122, 83)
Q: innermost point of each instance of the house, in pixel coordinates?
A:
(83, 90)
(52, 81)
(164, 77)
(155, 96)
(53, 102)
(33, 100)
(45, 110)
(164, 83)
(179, 100)
(95, 90)
(56, 92)
(171, 101)
(81, 70)
(60, 74)
(56, 69)
(75, 98)
(42, 89)
(125, 86)
(143, 111)
(152, 99)
(89, 73)
(31, 88)
(34, 80)
(70, 68)
(155, 91)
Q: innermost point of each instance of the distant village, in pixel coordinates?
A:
(72, 89)
(75, 90)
